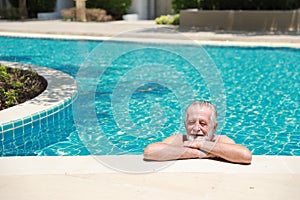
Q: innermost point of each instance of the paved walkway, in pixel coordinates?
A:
(142, 29)
(73, 178)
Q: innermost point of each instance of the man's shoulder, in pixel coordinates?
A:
(224, 139)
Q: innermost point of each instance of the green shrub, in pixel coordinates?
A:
(36, 6)
(9, 13)
(178, 5)
(235, 4)
(115, 8)
(250, 4)
(14, 3)
(168, 19)
(18, 86)
(176, 19)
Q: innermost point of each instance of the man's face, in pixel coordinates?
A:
(198, 121)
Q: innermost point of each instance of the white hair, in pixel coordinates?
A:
(214, 114)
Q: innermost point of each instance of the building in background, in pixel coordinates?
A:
(60, 5)
(150, 9)
(139, 10)
(5, 4)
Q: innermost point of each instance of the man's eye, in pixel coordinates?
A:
(191, 122)
(203, 124)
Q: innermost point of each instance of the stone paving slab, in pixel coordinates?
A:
(268, 177)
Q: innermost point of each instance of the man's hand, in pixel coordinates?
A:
(228, 151)
(197, 144)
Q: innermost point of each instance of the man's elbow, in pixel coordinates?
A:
(247, 156)
(156, 151)
(147, 153)
(150, 152)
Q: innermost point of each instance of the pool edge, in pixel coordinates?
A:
(36, 165)
(60, 85)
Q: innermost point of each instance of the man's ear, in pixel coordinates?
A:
(215, 127)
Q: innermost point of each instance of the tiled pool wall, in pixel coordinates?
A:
(38, 129)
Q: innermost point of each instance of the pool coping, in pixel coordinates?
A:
(61, 91)
(60, 165)
(80, 177)
(184, 38)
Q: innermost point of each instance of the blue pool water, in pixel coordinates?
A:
(259, 84)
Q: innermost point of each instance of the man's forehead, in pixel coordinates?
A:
(198, 110)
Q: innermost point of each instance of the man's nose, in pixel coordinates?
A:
(196, 127)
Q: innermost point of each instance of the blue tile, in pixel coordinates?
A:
(49, 112)
(18, 123)
(50, 120)
(1, 149)
(7, 126)
(18, 131)
(60, 106)
(60, 114)
(8, 136)
(55, 109)
(27, 129)
(67, 102)
(35, 117)
(36, 126)
(44, 122)
(43, 114)
(56, 118)
(27, 120)
(19, 139)
(9, 147)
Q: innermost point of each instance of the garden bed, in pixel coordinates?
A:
(19, 85)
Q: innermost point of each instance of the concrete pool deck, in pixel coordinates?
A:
(268, 177)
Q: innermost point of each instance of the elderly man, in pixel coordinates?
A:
(199, 141)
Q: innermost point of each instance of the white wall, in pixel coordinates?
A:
(150, 9)
(63, 4)
(163, 7)
(246, 20)
(60, 5)
(5, 4)
(140, 8)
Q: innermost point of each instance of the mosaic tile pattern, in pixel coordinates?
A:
(52, 110)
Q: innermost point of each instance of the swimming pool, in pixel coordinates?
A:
(260, 85)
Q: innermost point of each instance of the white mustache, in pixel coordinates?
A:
(193, 136)
(199, 134)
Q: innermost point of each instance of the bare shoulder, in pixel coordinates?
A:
(224, 139)
(176, 139)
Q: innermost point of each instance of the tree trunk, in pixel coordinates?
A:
(23, 9)
(80, 10)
